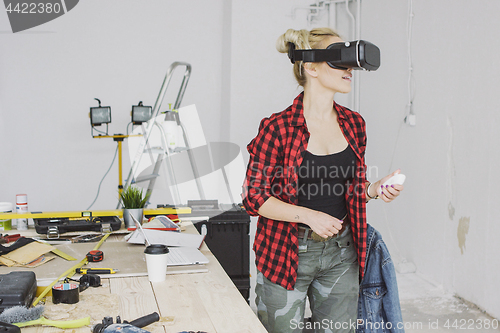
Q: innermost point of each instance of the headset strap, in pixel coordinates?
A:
(315, 55)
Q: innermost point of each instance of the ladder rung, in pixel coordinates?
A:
(154, 150)
(146, 178)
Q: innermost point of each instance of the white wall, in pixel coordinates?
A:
(450, 155)
(119, 51)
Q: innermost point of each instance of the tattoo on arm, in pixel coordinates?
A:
(297, 217)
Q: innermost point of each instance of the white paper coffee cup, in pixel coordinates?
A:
(156, 261)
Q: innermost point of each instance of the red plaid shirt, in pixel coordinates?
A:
(275, 155)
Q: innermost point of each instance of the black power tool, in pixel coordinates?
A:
(135, 326)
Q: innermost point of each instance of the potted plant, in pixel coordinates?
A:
(133, 202)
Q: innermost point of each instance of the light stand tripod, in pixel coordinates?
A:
(118, 138)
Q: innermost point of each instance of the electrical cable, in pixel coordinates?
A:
(384, 208)
(95, 129)
(100, 183)
(395, 148)
(411, 83)
(411, 91)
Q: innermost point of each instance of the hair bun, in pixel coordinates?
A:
(303, 40)
(300, 38)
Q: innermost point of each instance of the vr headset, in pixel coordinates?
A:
(358, 54)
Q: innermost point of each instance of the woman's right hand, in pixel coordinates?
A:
(323, 224)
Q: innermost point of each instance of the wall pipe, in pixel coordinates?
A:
(332, 15)
(355, 74)
(355, 33)
(357, 83)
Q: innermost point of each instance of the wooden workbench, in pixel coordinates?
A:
(207, 302)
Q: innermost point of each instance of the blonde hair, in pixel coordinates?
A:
(304, 39)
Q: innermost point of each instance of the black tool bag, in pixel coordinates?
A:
(53, 227)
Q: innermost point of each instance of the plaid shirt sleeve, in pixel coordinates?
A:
(264, 157)
(276, 242)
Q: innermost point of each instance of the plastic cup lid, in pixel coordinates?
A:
(156, 249)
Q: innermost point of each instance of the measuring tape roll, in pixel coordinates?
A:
(67, 293)
(95, 256)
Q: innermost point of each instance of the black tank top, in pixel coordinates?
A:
(322, 181)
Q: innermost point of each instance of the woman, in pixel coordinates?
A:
(306, 181)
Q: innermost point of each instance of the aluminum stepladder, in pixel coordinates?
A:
(144, 145)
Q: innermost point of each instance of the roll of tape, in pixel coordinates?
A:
(66, 293)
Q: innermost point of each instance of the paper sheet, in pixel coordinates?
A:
(169, 238)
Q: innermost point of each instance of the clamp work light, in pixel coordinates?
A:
(100, 115)
(141, 113)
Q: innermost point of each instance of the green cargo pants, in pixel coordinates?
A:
(328, 276)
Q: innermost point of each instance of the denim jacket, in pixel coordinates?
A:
(379, 310)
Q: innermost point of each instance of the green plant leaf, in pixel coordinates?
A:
(132, 197)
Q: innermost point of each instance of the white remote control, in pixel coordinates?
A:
(398, 179)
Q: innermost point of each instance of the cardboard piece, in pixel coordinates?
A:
(7, 262)
(28, 253)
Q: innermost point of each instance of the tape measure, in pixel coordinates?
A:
(95, 256)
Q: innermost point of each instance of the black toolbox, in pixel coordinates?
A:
(228, 229)
(17, 288)
(53, 227)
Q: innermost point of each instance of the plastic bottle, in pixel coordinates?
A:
(170, 126)
(22, 207)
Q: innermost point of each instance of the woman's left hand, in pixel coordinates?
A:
(389, 192)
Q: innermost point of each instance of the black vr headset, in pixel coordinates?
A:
(358, 54)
